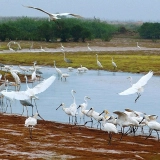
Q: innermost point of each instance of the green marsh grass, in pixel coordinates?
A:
(128, 61)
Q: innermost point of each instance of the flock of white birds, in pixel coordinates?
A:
(128, 118)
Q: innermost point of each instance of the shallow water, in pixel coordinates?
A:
(101, 86)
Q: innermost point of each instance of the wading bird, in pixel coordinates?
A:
(59, 72)
(54, 17)
(98, 62)
(89, 49)
(114, 64)
(24, 69)
(138, 46)
(30, 93)
(96, 116)
(122, 121)
(66, 110)
(66, 59)
(73, 106)
(43, 50)
(31, 122)
(110, 128)
(152, 124)
(83, 107)
(138, 87)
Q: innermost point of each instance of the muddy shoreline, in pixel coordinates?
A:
(53, 140)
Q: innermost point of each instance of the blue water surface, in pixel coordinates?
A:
(101, 86)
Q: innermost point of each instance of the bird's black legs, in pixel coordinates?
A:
(30, 132)
(89, 121)
(149, 134)
(137, 97)
(35, 105)
(32, 110)
(22, 111)
(122, 130)
(110, 137)
(157, 135)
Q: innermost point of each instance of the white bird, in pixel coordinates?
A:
(64, 75)
(84, 68)
(138, 87)
(30, 92)
(80, 70)
(34, 75)
(96, 116)
(73, 106)
(62, 46)
(72, 110)
(35, 66)
(66, 59)
(83, 107)
(89, 47)
(30, 122)
(70, 69)
(24, 69)
(59, 72)
(110, 128)
(122, 121)
(66, 110)
(54, 17)
(43, 50)
(11, 49)
(152, 124)
(114, 64)
(138, 46)
(17, 80)
(98, 62)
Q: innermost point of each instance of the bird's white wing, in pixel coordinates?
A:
(33, 77)
(128, 91)
(99, 64)
(121, 115)
(43, 85)
(38, 9)
(16, 77)
(15, 95)
(71, 14)
(143, 80)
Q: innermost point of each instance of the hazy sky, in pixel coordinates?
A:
(121, 10)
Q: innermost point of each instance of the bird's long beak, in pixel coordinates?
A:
(109, 118)
(141, 120)
(59, 106)
(101, 113)
(89, 110)
(40, 117)
(79, 106)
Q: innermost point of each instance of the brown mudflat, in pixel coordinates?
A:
(52, 140)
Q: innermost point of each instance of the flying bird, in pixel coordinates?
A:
(138, 87)
(30, 93)
(54, 17)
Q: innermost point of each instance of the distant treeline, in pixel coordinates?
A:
(150, 31)
(66, 29)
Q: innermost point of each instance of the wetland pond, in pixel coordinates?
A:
(101, 86)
